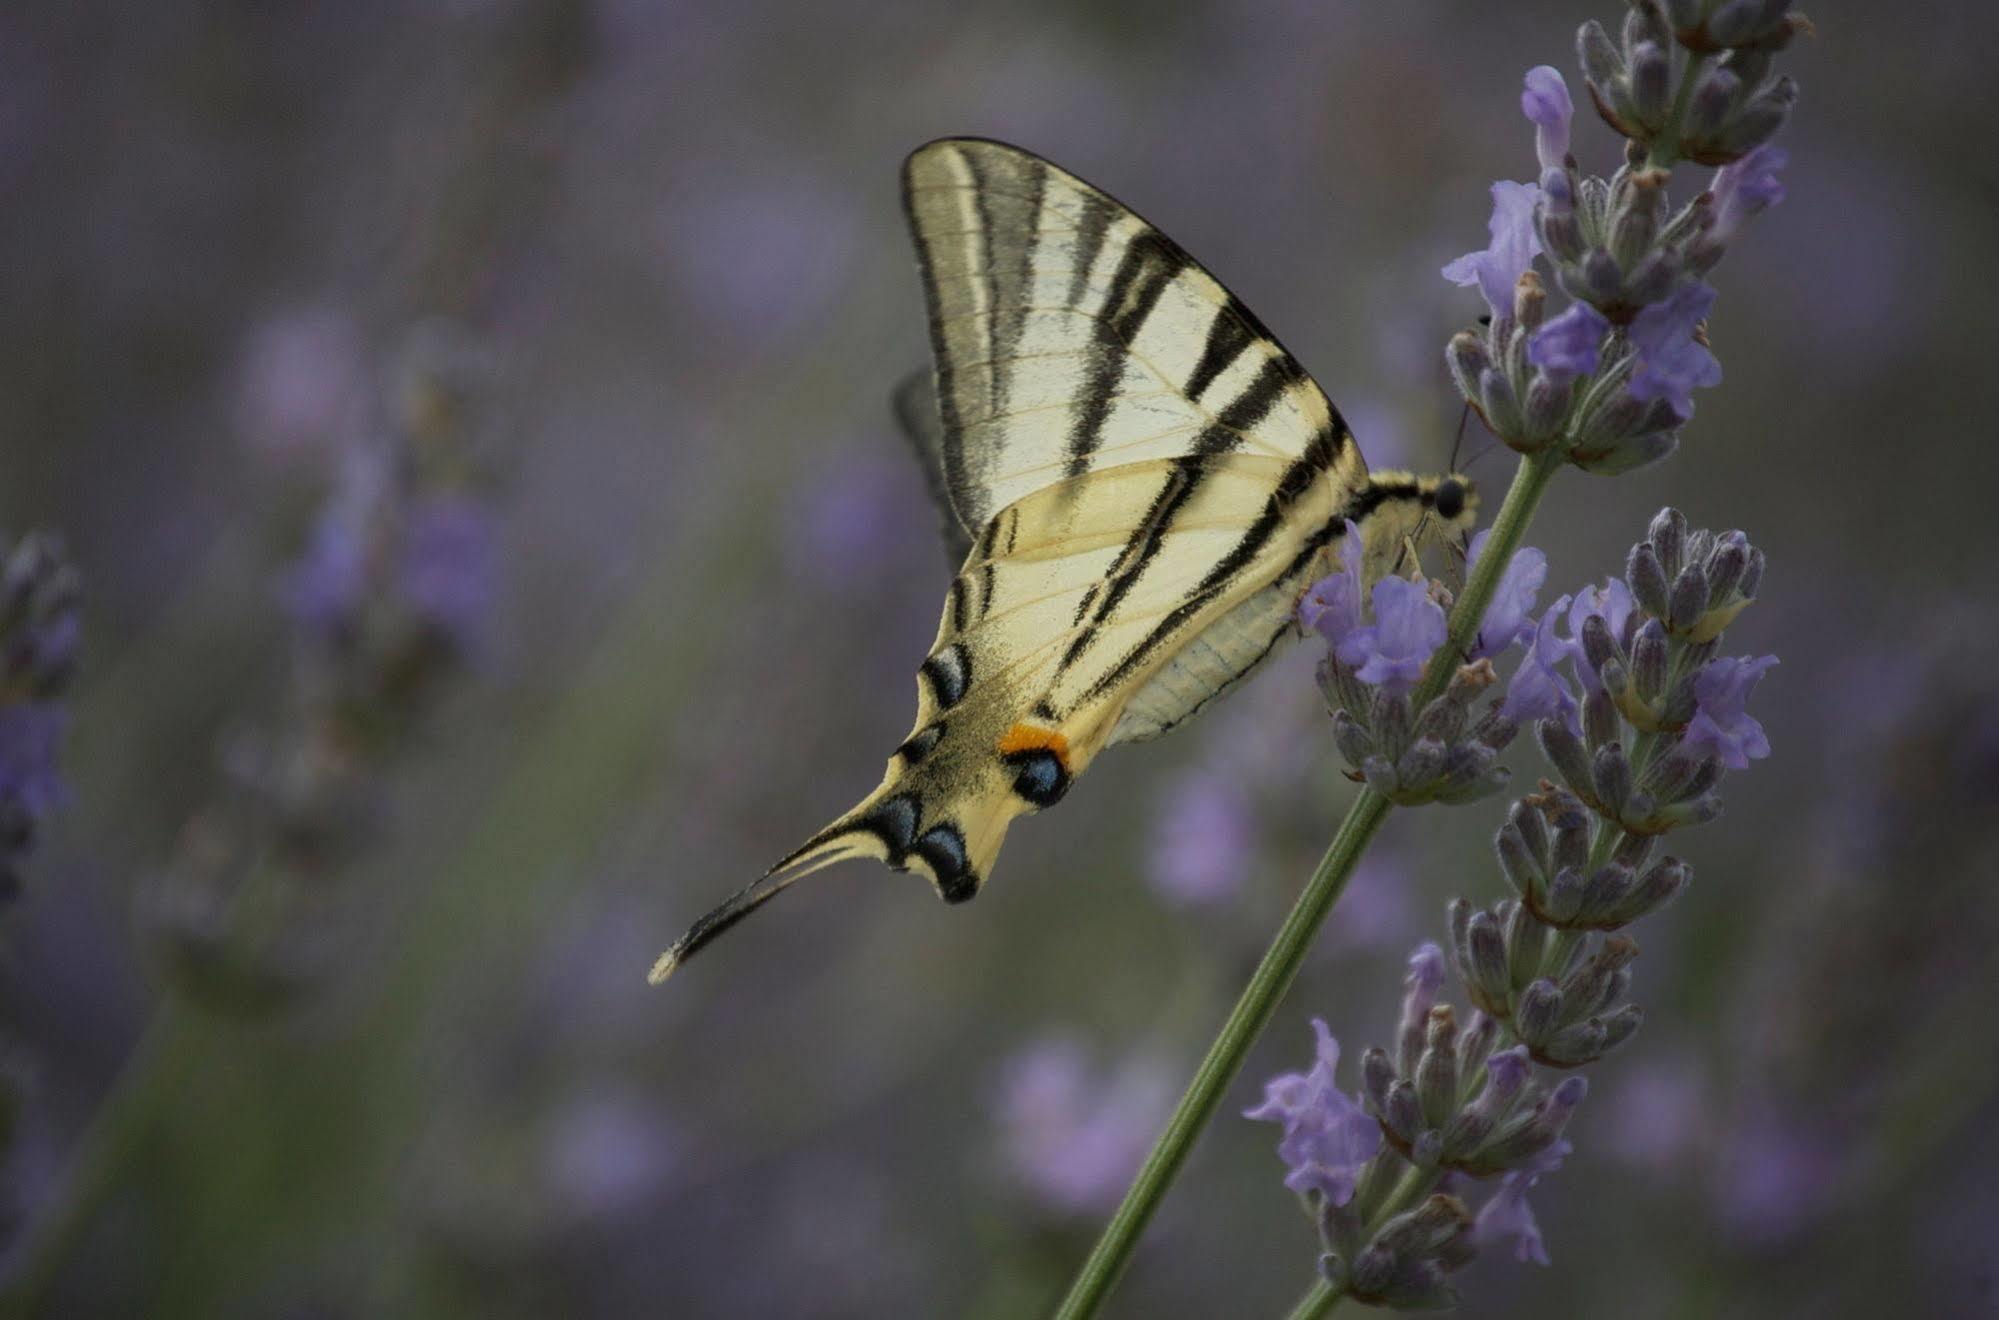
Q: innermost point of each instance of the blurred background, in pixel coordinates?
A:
(544, 346)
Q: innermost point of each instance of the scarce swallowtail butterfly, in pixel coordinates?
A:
(1146, 482)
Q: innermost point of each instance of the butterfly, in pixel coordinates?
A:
(1142, 482)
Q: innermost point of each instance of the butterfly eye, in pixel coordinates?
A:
(1450, 499)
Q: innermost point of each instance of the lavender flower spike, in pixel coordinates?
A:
(1512, 250)
(1327, 1135)
(1721, 726)
(1546, 102)
(1671, 362)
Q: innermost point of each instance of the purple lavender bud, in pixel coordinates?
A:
(1354, 744)
(1419, 995)
(1668, 536)
(1752, 575)
(1758, 121)
(1526, 942)
(1612, 778)
(1510, 252)
(1634, 224)
(1651, 82)
(1421, 766)
(1404, 1112)
(1654, 889)
(1523, 872)
(1620, 1027)
(1539, 1013)
(1715, 96)
(1443, 720)
(1653, 277)
(1500, 405)
(1530, 301)
(1671, 362)
(1646, 21)
(1555, 217)
(1495, 729)
(1647, 577)
(1602, 278)
(1436, 1074)
(1404, 1269)
(1689, 599)
(1532, 829)
(1475, 1043)
(1597, 53)
(1546, 102)
(1721, 725)
(1741, 22)
(1565, 894)
(1602, 893)
(1572, 827)
(1726, 565)
(1378, 773)
(1457, 913)
(1599, 647)
(1649, 659)
(1467, 359)
(1600, 723)
(1565, 751)
(1388, 716)
(1486, 949)
(1377, 1074)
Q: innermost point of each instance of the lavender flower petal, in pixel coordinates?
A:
(1568, 346)
(1408, 628)
(1671, 363)
(1512, 250)
(1506, 1216)
(1327, 1135)
(1546, 102)
(1509, 618)
(1721, 727)
(1538, 690)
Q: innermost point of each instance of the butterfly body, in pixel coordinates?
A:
(1147, 482)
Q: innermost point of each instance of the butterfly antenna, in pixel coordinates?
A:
(1464, 416)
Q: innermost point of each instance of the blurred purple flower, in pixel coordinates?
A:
(1327, 1135)
(1721, 725)
(1546, 102)
(1538, 691)
(450, 566)
(1509, 618)
(1332, 606)
(1506, 1216)
(1671, 363)
(1073, 1139)
(31, 735)
(301, 376)
(605, 1152)
(1207, 830)
(1746, 187)
(1408, 628)
(323, 590)
(1512, 250)
(1375, 908)
(1656, 1112)
(1568, 346)
(1775, 1178)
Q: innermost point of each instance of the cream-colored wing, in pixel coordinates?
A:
(1070, 335)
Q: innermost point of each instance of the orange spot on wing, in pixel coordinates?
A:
(1028, 738)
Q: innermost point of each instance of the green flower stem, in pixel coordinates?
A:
(159, 1064)
(1224, 1060)
(1273, 975)
(1320, 1301)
